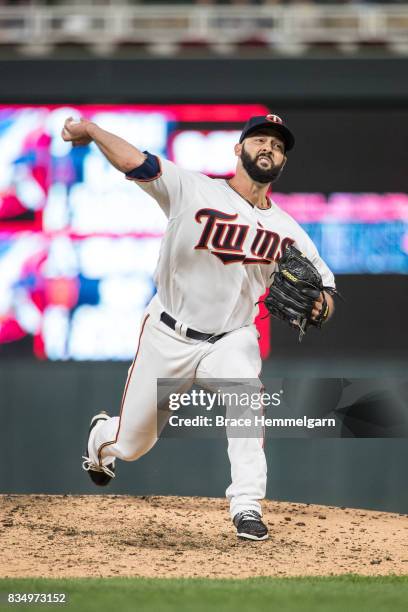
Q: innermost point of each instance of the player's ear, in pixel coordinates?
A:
(285, 159)
(238, 149)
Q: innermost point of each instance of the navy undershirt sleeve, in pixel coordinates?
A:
(149, 170)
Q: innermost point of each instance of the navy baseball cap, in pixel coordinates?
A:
(268, 121)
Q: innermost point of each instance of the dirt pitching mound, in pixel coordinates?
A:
(115, 535)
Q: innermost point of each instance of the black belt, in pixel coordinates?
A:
(190, 333)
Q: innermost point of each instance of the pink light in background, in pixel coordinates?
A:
(344, 207)
(263, 325)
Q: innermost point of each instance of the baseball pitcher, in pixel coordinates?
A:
(226, 243)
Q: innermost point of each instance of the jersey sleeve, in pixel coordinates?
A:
(308, 247)
(168, 184)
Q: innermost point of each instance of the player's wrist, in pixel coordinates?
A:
(330, 306)
(91, 129)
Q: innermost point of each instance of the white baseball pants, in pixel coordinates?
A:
(164, 353)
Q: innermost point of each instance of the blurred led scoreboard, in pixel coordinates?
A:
(79, 244)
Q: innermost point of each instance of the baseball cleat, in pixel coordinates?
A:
(100, 475)
(250, 526)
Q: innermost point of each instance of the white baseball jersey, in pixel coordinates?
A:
(218, 252)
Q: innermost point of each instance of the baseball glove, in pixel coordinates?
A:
(297, 285)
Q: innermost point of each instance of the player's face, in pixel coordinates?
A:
(263, 156)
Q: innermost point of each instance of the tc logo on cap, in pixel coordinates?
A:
(273, 119)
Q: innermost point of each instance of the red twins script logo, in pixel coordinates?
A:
(226, 240)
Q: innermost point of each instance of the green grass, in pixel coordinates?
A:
(349, 593)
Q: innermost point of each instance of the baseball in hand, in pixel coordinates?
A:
(74, 131)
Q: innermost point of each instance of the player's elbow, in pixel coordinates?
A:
(132, 162)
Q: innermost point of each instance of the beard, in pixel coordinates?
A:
(257, 174)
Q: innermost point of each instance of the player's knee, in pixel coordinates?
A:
(133, 450)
